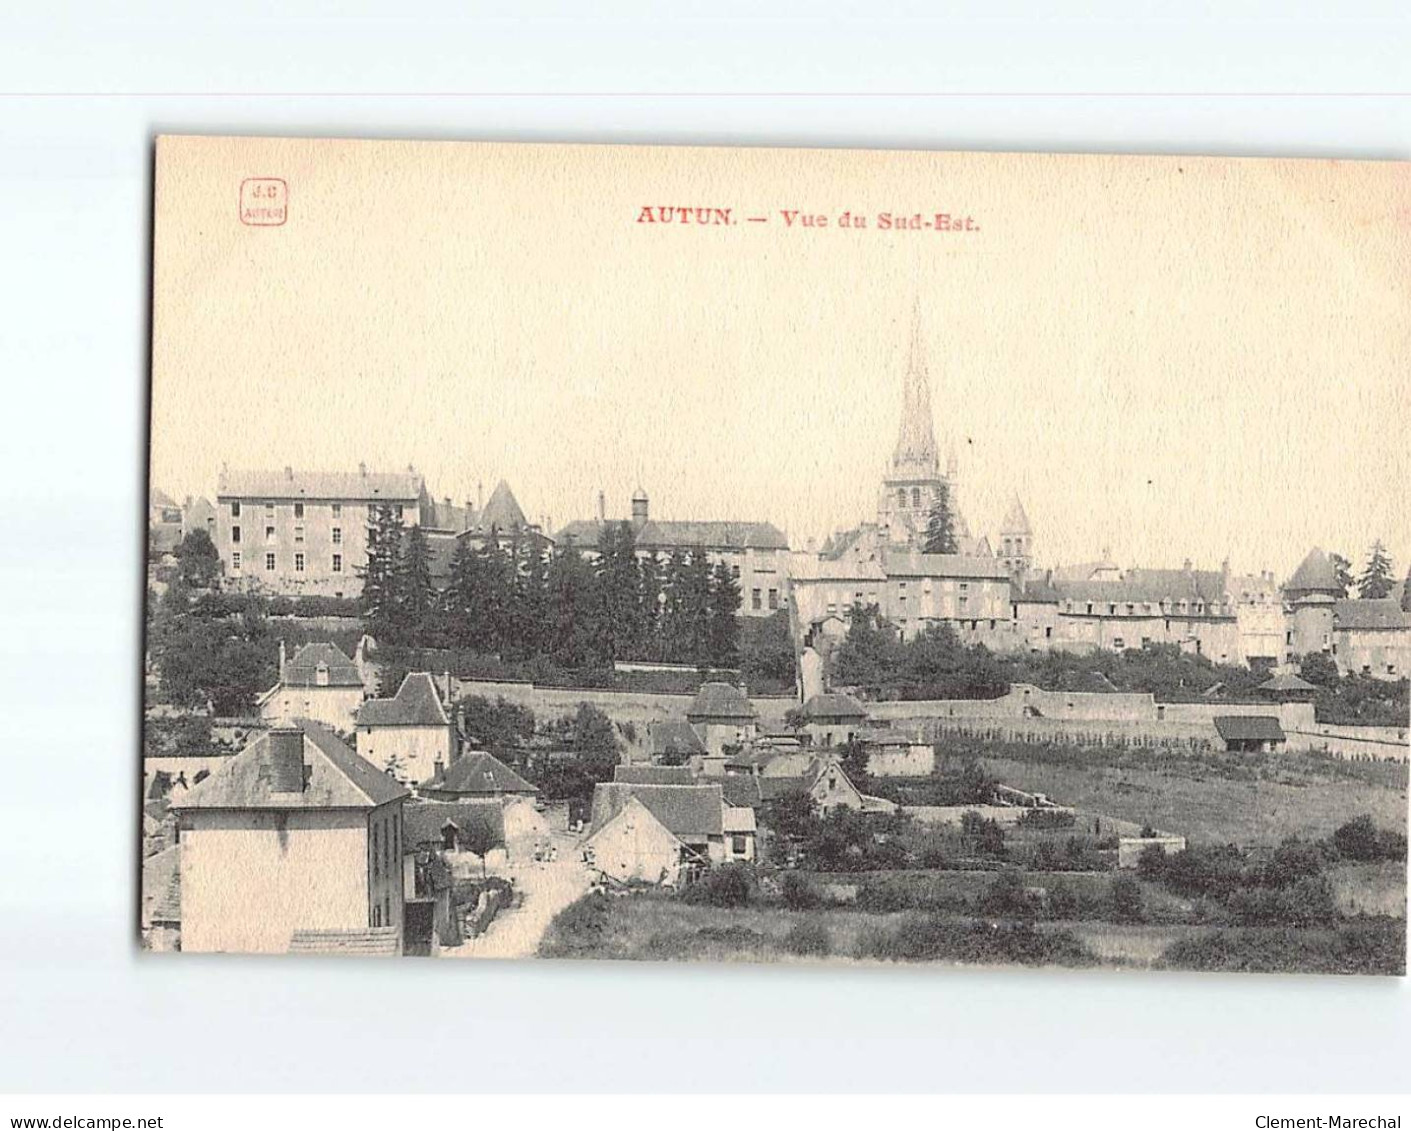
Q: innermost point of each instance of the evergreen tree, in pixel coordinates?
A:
(569, 598)
(458, 602)
(673, 609)
(1376, 580)
(416, 595)
(1342, 573)
(380, 572)
(618, 626)
(649, 607)
(940, 525)
(722, 617)
(531, 600)
(695, 612)
(491, 610)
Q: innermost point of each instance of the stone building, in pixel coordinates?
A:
(303, 533)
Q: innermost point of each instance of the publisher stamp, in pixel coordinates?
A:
(264, 202)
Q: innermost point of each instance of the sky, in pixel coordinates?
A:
(1163, 358)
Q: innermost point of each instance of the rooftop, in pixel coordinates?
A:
(416, 703)
(302, 670)
(424, 822)
(1369, 613)
(477, 773)
(673, 737)
(336, 778)
(348, 486)
(653, 775)
(1247, 728)
(834, 705)
(690, 812)
(657, 534)
(721, 701)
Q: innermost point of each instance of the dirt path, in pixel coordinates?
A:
(546, 889)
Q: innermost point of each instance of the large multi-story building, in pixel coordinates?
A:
(756, 553)
(1363, 636)
(302, 533)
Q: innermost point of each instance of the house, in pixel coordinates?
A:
(897, 754)
(674, 742)
(161, 899)
(833, 719)
(1260, 734)
(722, 716)
(318, 683)
(1287, 688)
(1372, 637)
(755, 553)
(164, 524)
(304, 533)
(821, 778)
(740, 832)
(476, 776)
(625, 837)
(294, 833)
(410, 735)
(653, 775)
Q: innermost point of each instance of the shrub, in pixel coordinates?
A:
(1062, 901)
(1006, 897)
(729, 885)
(1124, 897)
(808, 937)
(579, 930)
(1308, 902)
(797, 893)
(1048, 819)
(880, 898)
(1360, 839)
(1372, 947)
(935, 938)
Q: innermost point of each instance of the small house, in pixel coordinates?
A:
(319, 683)
(833, 719)
(409, 735)
(1250, 734)
(476, 776)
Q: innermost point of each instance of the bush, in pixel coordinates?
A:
(1124, 897)
(1372, 947)
(808, 937)
(1308, 902)
(1048, 819)
(728, 885)
(797, 893)
(1006, 897)
(579, 930)
(1360, 839)
(1062, 902)
(935, 938)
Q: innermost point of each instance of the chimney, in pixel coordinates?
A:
(362, 470)
(639, 508)
(479, 495)
(288, 472)
(469, 512)
(286, 760)
(602, 507)
(448, 686)
(281, 660)
(1187, 565)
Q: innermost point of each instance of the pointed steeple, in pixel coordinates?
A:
(1016, 521)
(916, 442)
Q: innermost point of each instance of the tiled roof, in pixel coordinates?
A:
(502, 510)
(1286, 682)
(675, 737)
(885, 736)
(477, 774)
(416, 704)
(667, 535)
(834, 705)
(337, 778)
(720, 701)
(424, 821)
(1261, 728)
(350, 486)
(161, 887)
(1034, 591)
(1315, 574)
(1369, 613)
(897, 563)
(690, 812)
(302, 668)
(741, 790)
(1151, 585)
(159, 498)
(365, 942)
(738, 819)
(653, 775)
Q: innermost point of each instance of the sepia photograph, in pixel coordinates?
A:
(761, 555)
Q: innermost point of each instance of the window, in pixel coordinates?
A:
(298, 563)
(377, 916)
(298, 510)
(376, 850)
(737, 845)
(1048, 632)
(901, 496)
(269, 510)
(235, 534)
(235, 509)
(269, 562)
(1118, 643)
(398, 509)
(235, 561)
(337, 563)
(774, 598)
(298, 533)
(337, 510)
(755, 599)
(916, 496)
(269, 533)
(735, 572)
(337, 535)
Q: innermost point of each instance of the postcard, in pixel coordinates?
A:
(779, 556)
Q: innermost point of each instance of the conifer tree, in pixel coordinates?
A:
(674, 634)
(1376, 580)
(723, 628)
(649, 607)
(940, 525)
(416, 594)
(568, 600)
(380, 572)
(458, 602)
(1342, 573)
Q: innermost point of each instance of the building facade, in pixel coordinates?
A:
(300, 533)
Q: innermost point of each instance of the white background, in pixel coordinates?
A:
(87, 87)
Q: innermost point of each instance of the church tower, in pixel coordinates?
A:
(1017, 541)
(913, 480)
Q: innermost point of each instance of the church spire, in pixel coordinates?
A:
(916, 442)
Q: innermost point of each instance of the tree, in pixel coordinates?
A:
(1376, 580)
(854, 763)
(649, 601)
(569, 598)
(870, 655)
(458, 601)
(1342, 572)
(722, 618)
(767, 649)
(379, 573)
(198, 562)
(416, 594)
(1406, 593)
(480, 838)
(1319, 669)
(940, 524)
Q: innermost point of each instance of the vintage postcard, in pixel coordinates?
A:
(777, 556)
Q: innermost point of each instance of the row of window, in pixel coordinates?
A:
(1150, 608)
(272, 562)
(337, 509)
(757, 597)
(270, 535)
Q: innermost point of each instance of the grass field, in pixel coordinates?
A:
(1212, 809)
